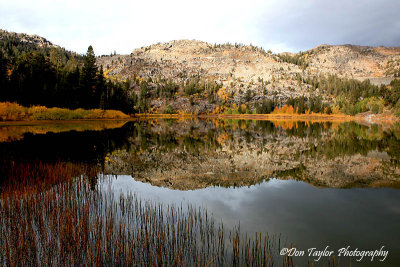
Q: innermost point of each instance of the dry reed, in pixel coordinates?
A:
(68, 222)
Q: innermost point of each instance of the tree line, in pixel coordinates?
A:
(354, 96)
(53, 77)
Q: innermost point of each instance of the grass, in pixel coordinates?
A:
(15, 112)
(51, 218)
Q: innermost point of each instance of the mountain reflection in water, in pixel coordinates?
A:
(308, 217)
(319, 184)
(195, 154)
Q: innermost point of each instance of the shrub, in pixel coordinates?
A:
(115, 114)
(375, 108)
(11, 112)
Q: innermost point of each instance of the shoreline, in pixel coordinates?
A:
(294, 117)
(362, 118)
(359, 118)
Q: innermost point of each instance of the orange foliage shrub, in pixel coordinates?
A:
(14, 112)
(335, 110)
(115, 114)
(284, 110)
(11, 111)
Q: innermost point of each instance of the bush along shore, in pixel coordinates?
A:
(71, 221)
(15, 112)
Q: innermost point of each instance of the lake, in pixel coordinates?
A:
(322, 185)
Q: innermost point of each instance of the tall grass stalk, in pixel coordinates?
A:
(72, 223)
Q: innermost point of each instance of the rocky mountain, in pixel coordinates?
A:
(13, 45)
(34, 40)
(197, 77)
(227, 63)
(237, 68)
(379, 64)
(240, 68)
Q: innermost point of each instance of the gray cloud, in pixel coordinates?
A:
(302, 25)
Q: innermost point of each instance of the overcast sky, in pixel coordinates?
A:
(279, 25)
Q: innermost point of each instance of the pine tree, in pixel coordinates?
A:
(88, 81)
(3, 76)
(101, 95)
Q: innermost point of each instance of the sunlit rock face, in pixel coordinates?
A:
(240, 68)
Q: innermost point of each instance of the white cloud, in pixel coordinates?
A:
(123, 25)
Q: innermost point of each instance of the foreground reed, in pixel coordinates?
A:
(72, 224)
(50, 218)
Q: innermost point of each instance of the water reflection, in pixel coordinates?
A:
(307, 216)
(13, 131)
(272, 176)
(195, 154)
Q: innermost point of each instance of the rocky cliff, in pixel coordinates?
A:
(249, 72)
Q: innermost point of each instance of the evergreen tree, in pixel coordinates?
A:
(144, 91)
(270, 106)
(55, 77)
(101, 96)
(3, 76)
(88, 80)
(33, 80)
(69, 92)
(301, 105)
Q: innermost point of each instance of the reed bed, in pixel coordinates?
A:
(72, 223)
(22, 177)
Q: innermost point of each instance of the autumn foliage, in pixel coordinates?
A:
(284, 110)
(15, 112)
(289, 109)
(11, 112)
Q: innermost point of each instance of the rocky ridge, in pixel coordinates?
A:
(359, 62)
(240, 68)
(35, 40)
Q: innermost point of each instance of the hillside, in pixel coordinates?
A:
(188, 76)
(227, 63)
(34, 71)
(14, 45)
(248, 74)
(34, 41)
(361, 62)
(236, 68)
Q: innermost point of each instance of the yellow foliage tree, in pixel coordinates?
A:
(223, 94)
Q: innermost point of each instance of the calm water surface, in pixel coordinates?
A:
(307, 216)
(316, 184)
